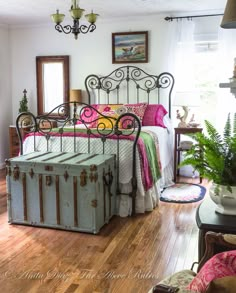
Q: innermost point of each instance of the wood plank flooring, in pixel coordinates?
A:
(129, 255)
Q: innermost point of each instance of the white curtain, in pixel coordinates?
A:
(226, 102)
(180, 52)
(185, 56)
(181, 64)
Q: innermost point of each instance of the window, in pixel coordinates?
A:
(206, 78)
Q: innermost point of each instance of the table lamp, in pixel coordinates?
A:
(185, 100)
(75, 95)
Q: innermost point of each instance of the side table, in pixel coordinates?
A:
(209, 220)
(14, 144)
(177, 149)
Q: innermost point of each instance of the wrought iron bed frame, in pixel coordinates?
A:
(126, 76)
(68, 114)
(71, 112)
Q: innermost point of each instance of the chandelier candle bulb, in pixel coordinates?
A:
(57, 17)
(76, 13)
(91, 17)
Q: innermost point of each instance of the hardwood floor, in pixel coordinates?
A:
(129, 255)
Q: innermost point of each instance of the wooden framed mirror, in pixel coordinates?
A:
(52, 82)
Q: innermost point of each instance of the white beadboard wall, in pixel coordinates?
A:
(91, 53)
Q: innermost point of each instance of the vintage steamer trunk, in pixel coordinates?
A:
(70, 191)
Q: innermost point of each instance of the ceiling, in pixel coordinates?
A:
(32, 12)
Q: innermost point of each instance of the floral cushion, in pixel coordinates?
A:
(137, 109)
(154, 115)
(221, 265)
(180, 280)
(111, 110)
(88, 115)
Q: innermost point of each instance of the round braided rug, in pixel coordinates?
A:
(183, 193)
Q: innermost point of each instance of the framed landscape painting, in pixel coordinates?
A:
(130, 47)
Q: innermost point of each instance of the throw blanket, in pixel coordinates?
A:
(148, 149)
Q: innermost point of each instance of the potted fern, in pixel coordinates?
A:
(214, 157)
(24, 103)
(25, 119)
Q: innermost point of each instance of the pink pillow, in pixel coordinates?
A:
(221, 265)
(137, 109)
(89, 115)
(154, 115)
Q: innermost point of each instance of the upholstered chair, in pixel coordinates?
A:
(219, 258)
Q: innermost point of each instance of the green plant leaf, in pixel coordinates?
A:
(214, 155)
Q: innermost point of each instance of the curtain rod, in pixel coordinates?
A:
(170, 18)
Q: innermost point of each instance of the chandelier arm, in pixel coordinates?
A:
(84, 29)
(66, 29)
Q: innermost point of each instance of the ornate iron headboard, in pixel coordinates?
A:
(127, 82)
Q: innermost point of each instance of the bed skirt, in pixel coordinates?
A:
(145, 201)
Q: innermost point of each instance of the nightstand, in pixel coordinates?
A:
(14, 143)
(177, 149)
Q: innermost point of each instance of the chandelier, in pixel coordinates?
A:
(76, 13)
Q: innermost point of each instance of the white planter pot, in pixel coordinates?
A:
(225, 201)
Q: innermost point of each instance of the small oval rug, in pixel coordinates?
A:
(183, 193)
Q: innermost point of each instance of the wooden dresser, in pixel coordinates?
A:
(14, 144)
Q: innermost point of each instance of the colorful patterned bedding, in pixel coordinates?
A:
(142, 170)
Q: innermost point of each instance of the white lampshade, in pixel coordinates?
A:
(189, 99)
(229, 18)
